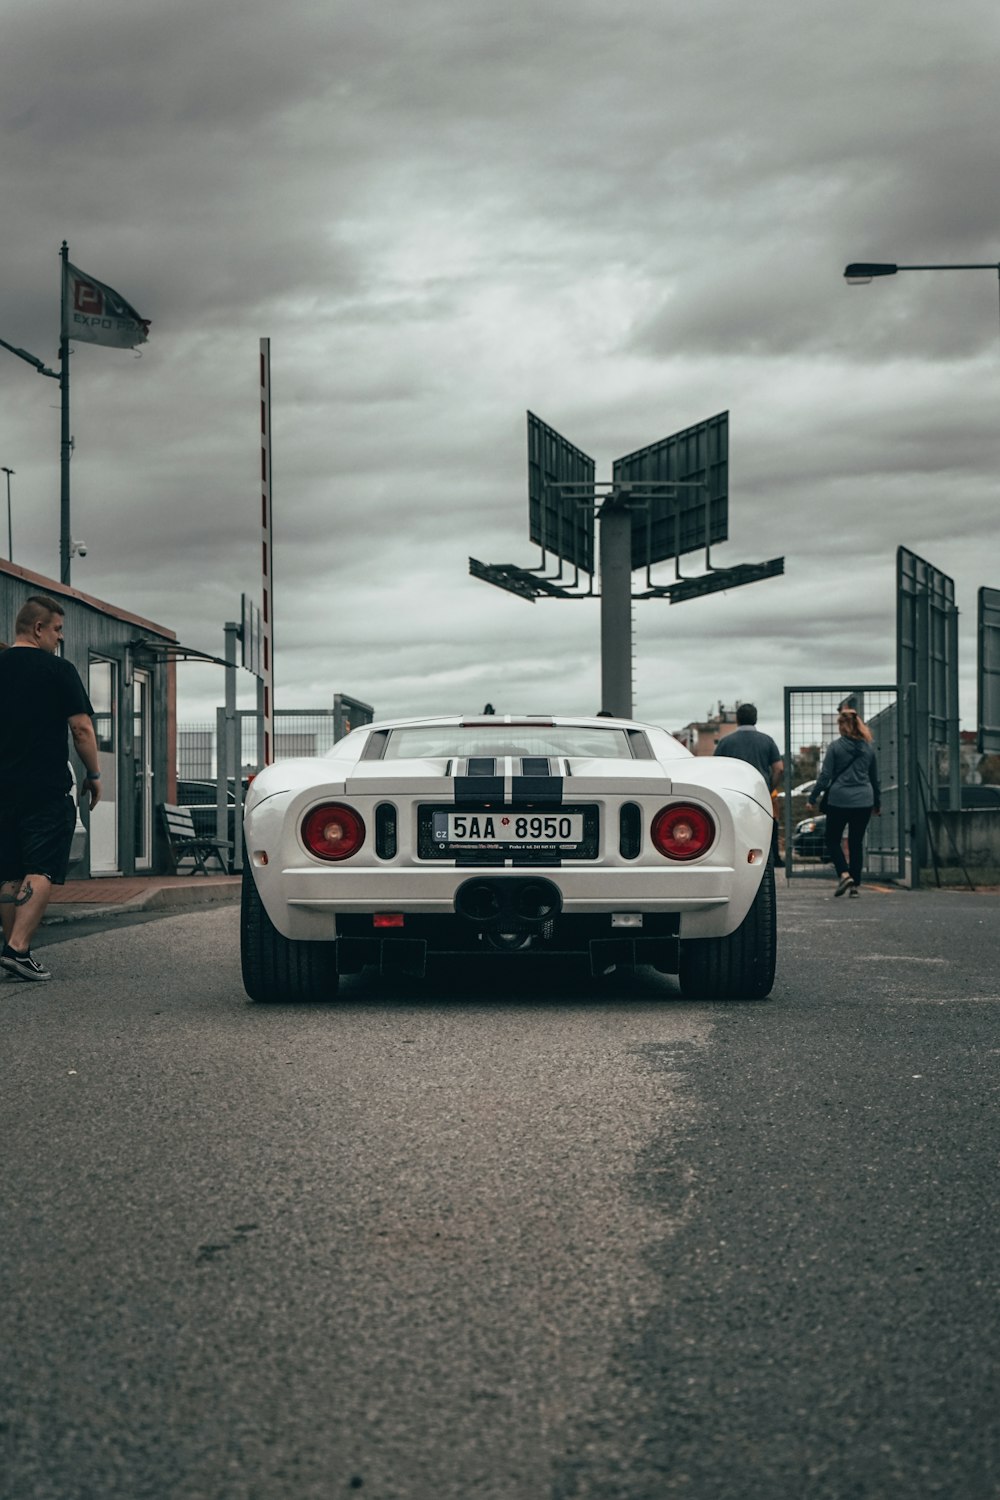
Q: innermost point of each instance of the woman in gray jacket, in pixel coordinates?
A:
(849, 776)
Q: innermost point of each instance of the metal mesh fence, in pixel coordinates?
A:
(297, 732)
(196, 752)
(810, 726)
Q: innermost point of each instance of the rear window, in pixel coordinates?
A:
(428, 741)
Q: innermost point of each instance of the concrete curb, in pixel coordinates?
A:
(162, 898)
(191, 895)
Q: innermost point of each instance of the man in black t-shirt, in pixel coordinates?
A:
(40, 696)
(758, 749)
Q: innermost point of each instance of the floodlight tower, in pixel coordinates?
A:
(661, 502)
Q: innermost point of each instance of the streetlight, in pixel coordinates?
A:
(860, 272)
(10, 534)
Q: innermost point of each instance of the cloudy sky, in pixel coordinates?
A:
(624, 216)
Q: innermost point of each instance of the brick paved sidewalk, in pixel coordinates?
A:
(86, 898)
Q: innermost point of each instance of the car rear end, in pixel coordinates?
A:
(510, 855)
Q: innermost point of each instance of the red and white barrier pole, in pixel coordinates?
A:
(267, 552)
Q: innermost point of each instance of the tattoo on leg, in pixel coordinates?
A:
(21, 898)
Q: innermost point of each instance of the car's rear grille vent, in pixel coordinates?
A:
(629, 830)
(386, 836)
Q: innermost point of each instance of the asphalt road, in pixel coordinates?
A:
(507, 1242)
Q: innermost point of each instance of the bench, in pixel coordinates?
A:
(184, 842)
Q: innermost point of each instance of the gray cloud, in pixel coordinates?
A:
(443, 214)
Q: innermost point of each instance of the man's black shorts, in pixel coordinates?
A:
(37, 840)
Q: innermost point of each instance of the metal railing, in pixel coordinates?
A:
(297, 732)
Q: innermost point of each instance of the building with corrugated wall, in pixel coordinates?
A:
(128, 667)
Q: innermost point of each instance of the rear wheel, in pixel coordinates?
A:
(740, 966)
(276, 969)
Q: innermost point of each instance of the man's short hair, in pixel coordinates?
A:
(746, 713)
(37, 608)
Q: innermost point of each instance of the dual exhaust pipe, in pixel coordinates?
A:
(510, 907)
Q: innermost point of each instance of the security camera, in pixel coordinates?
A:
(79, 549)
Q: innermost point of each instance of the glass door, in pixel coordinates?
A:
(103, 689)
(142, 753)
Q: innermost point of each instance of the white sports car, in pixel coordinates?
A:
(498, 836)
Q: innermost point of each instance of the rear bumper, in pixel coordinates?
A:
(306, 899)
(313, 904)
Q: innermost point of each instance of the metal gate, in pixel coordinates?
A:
(810, 726)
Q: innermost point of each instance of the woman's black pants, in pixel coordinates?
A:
(855, 820)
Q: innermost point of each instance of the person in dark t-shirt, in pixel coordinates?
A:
(40, 696)
(758, 749)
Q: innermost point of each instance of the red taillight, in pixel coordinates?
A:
(333, 831)
(682, 832)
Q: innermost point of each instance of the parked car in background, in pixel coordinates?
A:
(801, 792)
(809, 839)
(200, 797)
(972, 798)
(78, 847)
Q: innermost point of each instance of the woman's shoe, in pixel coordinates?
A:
(845, 884)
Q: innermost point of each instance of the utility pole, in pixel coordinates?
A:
(65, 442)
(616, 608)
(62, 375)
(43, 370)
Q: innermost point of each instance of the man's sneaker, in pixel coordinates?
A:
(854, 891)
(22, 965)
(846, 884)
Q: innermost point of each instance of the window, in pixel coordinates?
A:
(431, 741)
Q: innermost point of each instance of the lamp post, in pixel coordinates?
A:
(10, 534)
(66, 444)
(861, 272)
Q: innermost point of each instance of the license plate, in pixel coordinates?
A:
(479, 828)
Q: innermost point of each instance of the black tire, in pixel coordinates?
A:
(740, 966)
(276, 970)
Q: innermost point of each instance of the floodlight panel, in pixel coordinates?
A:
(988, 690)
(516, 580)
(669, 526)
(717, 581)
(557, 523)
(246, 631)
(724, 579)
(250, 636)
(257, 626)
(925, 601)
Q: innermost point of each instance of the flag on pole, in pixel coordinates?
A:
(94, 314)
